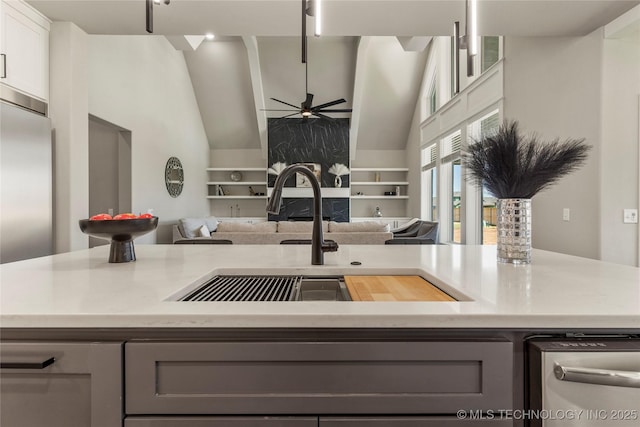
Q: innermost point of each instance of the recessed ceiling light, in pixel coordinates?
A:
(209, 36)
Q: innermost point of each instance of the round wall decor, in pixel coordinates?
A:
(174, 176)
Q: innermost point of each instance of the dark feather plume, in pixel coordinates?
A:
(511, 165)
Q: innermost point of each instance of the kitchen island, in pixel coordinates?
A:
(82, 290)
(319, 363)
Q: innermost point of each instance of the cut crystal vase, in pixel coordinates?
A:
(514, 231)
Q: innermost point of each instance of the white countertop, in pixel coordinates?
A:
(82, 290)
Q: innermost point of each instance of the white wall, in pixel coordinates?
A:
(68, 109)
(619, 160)
(379, 158)
(103, 182)
(142, 84)
(239, 158)
(552, 86)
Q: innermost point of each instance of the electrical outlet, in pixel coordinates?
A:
(566, 214)
(630, 216)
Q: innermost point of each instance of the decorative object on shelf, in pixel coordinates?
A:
(221, 191)
(390, 193)
(514, 168)
(302, 181)
(174, 176)
(276, 168)
(235, 176)
(397, 190)
(339, 170)
(121, 233)
(376, 177)
(377, 213)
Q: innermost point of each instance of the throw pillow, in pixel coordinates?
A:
(189, 227)
(204, 231)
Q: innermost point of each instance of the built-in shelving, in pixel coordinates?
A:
(368, 186)
(237, 197)
(237, 169)
(231, 196)
(372, 182)
(380, 197)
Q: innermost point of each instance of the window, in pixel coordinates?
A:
(482, 127)
(432, 98)
(456, 197)
(429, 184)
(450, 184)
(490, 52)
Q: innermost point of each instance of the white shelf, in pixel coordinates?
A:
(231, 196)
(380, 197)
(236, 169)
(237, 183)
(379, 183)
(288, 192)
(379, 169)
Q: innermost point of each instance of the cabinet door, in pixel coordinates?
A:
(425, 377)
(25, 49)
(221, 422)
(410, 422)
(81, 388)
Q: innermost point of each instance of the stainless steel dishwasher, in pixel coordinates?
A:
(584, 382)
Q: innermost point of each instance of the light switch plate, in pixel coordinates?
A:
(566, 214)
(630, 216)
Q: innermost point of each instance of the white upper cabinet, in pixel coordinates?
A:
(24, 45)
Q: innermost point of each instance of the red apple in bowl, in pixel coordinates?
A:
(125, 216)
(101, 217)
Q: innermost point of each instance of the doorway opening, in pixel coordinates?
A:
(109, 170)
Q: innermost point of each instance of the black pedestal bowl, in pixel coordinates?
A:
(121, 233)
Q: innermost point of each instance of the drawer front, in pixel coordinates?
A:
(317, 377)
(410, 422)
(82, 387)
(221, 422)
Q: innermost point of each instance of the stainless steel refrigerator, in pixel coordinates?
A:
(26, 184)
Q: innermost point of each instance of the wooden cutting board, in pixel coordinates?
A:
(393, 288)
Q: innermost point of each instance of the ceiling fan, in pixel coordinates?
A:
(307, 109)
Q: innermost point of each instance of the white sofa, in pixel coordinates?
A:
(272, 232)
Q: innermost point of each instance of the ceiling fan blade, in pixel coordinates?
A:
(306, 105)
(328, 104)
(270, 109)
(286, 103)
(344, 110)
(288, 115)
(315, 113)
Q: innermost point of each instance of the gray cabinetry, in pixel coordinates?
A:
(221, 422)
(82, 387)
(409, 422)
(422, 377)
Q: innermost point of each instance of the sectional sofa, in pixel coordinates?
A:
(190, 231)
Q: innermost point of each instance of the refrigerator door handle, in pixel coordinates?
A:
(4, 66)
(597, 376)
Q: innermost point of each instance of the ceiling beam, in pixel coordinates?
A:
(414, 44)
(251, 44)
(358, 93)
(185, 42)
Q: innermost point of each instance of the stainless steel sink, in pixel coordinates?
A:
(269, 288)
(322, 289)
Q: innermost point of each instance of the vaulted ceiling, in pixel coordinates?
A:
(363, 56)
